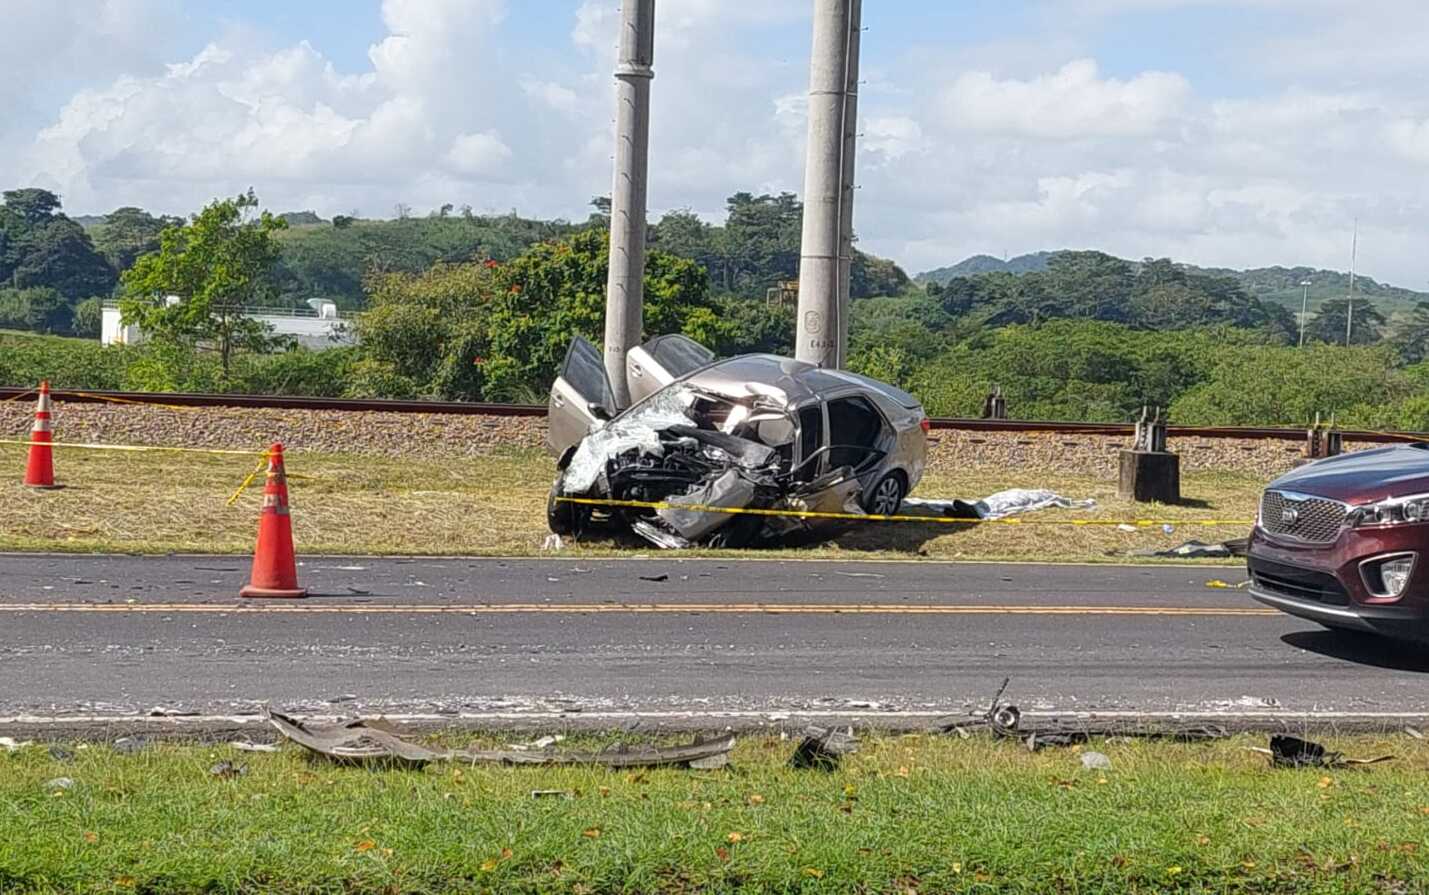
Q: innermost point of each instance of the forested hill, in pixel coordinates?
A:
(754, 250)
(1280, 285)
(1035, 262)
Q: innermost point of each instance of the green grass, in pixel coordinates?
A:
(906, 814)
(495, 505)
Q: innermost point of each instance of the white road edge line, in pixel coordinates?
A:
(770, 716)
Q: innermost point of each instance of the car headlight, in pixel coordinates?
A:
(1395, 511)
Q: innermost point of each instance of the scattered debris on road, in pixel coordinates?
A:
(376, 741)
(1292, 752)
(823, 748)
(1194, 549)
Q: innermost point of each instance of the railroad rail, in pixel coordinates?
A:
(273, 402)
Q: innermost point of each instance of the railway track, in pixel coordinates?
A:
(536, 410)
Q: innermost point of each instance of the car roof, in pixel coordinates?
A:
(798, 380)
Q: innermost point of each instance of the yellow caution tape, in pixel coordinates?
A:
(874, 517)
(113, 400)
(262, 464)
(134, 448)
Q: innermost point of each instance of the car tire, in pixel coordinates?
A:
(885, 498)
(564, 518)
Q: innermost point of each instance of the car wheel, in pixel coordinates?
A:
(564, 518)
(886, 497)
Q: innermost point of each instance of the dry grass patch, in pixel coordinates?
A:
(494, 504)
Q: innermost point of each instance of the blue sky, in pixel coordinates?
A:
(1237, 134)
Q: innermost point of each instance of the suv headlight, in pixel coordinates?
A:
(1395, 511)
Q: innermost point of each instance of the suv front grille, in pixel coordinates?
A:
(1302, 584)
(1314, 520)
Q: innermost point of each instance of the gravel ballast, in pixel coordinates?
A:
(446, 435)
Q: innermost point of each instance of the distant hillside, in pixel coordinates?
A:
(980, 264)
(1280, 285)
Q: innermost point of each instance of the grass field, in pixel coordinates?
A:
(347, 503)
(906, 814)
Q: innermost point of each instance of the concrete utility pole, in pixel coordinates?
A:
(846, 194)
(625, 285)
(819, 324)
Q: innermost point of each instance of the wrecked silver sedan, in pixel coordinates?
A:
(754, 432)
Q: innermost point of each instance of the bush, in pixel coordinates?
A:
(25, 359)
(319, 374)
(1287, 386)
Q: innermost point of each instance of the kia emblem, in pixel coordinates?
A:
(1289, 515)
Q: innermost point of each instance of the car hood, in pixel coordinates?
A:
(1363, 476)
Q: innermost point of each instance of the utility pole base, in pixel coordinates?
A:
(1150, 477)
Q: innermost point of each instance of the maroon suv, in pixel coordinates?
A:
(1338, 542)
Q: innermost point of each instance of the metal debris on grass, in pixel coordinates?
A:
(377, 741)
(823, 748)
(1095, 761)
(1292, 752)
(1006, 722)
(227, 770)
(245, 746)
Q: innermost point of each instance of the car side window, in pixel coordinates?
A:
(811, 438)
(855, 430)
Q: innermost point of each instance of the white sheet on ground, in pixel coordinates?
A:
(1012, 502)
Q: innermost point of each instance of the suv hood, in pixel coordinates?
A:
(1363, 476)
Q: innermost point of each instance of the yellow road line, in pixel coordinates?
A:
(630, 608)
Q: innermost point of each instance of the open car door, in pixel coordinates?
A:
(580, 397)
(661, 361)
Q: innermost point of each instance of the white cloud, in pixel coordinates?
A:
(480, 155)
(1029, 142)
(1071, 102)
(1410, 138)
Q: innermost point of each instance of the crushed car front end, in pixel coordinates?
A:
(704, 457)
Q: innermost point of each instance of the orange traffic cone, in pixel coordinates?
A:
(275, 569)
(40, 469)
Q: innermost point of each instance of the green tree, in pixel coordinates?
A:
(1412, 339)
(217, 265)
(88, 318)
(475, 331)
(32, 206)
(556, 291)
(129, 232)
(58, 255)
(425, 334)
(1328, 324)
(1289, 386)
(38, 309)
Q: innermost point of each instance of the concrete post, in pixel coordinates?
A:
(625, 285)
(819, 326)
(846, 195)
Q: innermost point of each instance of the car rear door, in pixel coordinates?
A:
(661, 361)
(580, 397)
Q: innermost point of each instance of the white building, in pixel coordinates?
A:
(318, 328)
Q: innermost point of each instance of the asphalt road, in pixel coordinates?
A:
(663, 641)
